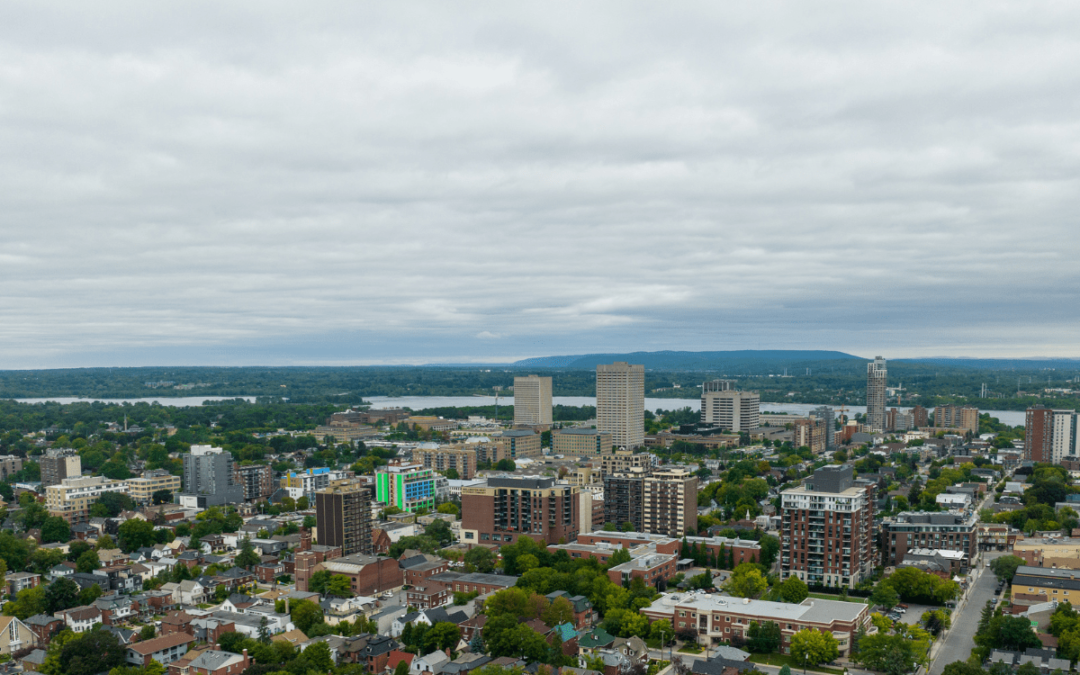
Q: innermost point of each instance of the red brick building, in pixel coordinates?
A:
(1039, 434)
(368, 574)
(505, 509)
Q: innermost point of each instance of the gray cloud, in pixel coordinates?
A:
(343, 183)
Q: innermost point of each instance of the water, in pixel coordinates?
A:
(173, 402)
(1010, 417)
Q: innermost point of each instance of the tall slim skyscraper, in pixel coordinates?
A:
(1038, 433)
(620, 403)
(532, 400)
(343, 516)
(826, 415)
(876, 377)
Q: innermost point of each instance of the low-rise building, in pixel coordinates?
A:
(164, 649)
(911, 530)
(72, 498)
(142, 489)
(580, 442)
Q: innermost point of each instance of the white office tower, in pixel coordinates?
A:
(620, 403)
(532, 400)
(722, 406)
(876, 376)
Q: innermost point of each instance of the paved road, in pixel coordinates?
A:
(958, 644)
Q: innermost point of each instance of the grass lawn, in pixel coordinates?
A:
(850, 598)
(783, 659)
(690, 649)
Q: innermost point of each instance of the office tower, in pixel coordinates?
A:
(505, 509)
(723, 406)
(876, 377)
(620, 403)
(532, 400)
(443, 458)
(942, 531)
(965, 417)
(580, 442)
(624, 496)
(828, 529)
(343, 516)
(73, 497)
(209, 479)
(810, 432)
(669, 502)
(920, 417)
(1038, 434)
(410, 487)
(826, 415)
(518, 443)
(257, 481)
(58, 464)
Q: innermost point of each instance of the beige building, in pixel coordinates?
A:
(342, 433)
(532, 400)
(9, 464)
(443, 458)
(669, 502)
(620, 403)
(580, 442)
(72, 499)
(624, 461)
(142, 489)
(519, 443)
(965, 417)
(723, 406)
(58, 464)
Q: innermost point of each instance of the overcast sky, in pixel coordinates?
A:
(316, 183)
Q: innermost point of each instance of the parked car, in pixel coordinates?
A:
(902, 606)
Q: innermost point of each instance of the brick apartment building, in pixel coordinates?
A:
(343, 516)
(505, 509)
(444, 458)
(828, 529)
(257, 480)
(940, 531)
(1038, 434)
(368, 575)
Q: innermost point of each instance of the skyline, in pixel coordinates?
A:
(196, 184)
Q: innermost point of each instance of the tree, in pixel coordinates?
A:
(449, 507)
(793, 590)
(1015, 633)
(136, 533)
(89, 594)
(439, 530)
(232, 641)
(885, 596)
(746, 581)
(560, 611)
(55, 529)
(88, 562)
(620, 556)
(93, 653)
(402, 668)
(61, 594)
(318, 655)
(147, 632)
(763, 638)
(812, 647)
(785, 670)
(317, 582)
(302, 504)
(161, 497)
(1004, 568)
(443, 635)
(339, 585)
(661, 630)
(305, 614)
(113, 503)
(27, 603)
(105, 543)
(889, 654)
(247, 557)
(481, 558)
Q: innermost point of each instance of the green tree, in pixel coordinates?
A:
(482, 559)
(105, 543)
(93, 653)
(305, 614)
(339, 585)
(620, 556)
(449, 507)
(28, 602)
(161, 497)
(443, 635)
(88, 562)
(889, 654)
(885, 596)
(147, 632)
(55, 529)
(318, 655)
(1004, 568)
(402, 668)
(812, 647)
(61, 594)
(89, 594)
(560, 611)
(746, 582)
(793, 590)
(763, 638)
(136, 533)
(247, 557)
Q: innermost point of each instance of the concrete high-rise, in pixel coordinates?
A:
(532, 401)
(723, 406)
(620, 403)
(58, 464)
(209, 478)
(827, 527)
(343, 516)
(876, 378)
(964, 417)
(669, 503)
(1038, 434)
(828, 417)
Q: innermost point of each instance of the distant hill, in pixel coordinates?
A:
(669, 360)
(1025, 364)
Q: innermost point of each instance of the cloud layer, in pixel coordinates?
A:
(193, 183)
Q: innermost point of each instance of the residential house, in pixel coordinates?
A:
(213, 662)
(81, 619)
(18, 581)
(432, 663)
(164, 649)
(45, 627)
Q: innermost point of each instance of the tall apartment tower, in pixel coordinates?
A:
(209, 478)
(343, 516)
(722, 405)
(58, 464)
(624, 498)
(964, 417)
(876, 377)
(669, 503)
(1038, 434)
(828, 417)
(828, 529)
(532, 400)
(620, 403)
(920, 417)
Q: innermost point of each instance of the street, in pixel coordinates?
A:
(957, 646)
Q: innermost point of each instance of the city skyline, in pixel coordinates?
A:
(222, 186)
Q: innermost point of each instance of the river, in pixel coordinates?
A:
(171, 401)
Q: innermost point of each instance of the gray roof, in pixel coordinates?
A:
(211, 660)
(491, 579)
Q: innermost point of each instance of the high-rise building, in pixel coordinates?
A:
(669, 503)
(209, 479)
(257, 481)
(1039, 434)
(625, 461)
(505, 509)
(9, 465)
(73, 497)
(532, 400)
(1064, 440)
(828, 529)
(58, 464)
(620, 403)
(876, 377)
(964, 417)
(443, 458)
(580, 442)
(920, 417)
(343, 517)
(828, 417)
(723, 406)
(810, 432)
(624, 496)
(410, 487)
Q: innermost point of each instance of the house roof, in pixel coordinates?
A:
(595, 637)
(212, 660)
(566, 631)
(294, 636)
(397, 657)
(161, 643)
